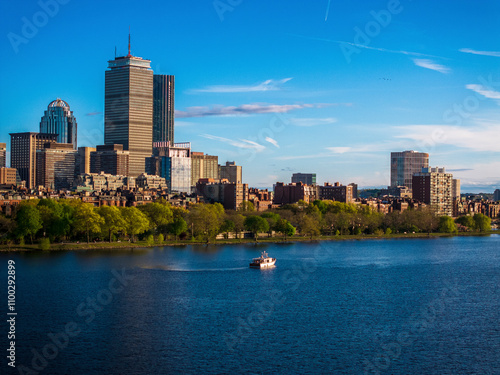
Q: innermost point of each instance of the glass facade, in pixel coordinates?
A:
(58, 119)
(163, 108)
(404, 165)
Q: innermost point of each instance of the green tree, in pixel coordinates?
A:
(206, 219)
(87, 220)
(28, 220)
(482, 223)
(160, 239)
(285, 227)
(309, 226)
(150, 240)
(246, 206)
(44, 244)
(177, 227)
(227, 226)
(447, 225)
(7, 227)
(159, 215)
(238, 220)
(272, 218)
(136, 222)
(466, 221)
(256, 224)
(113, 220)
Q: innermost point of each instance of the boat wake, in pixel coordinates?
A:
(173, 269)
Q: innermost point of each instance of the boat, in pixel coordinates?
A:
(264, 261)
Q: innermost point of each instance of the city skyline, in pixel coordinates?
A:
(303, 93)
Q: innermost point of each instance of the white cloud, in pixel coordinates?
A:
(241, 143)
(313, 121)
(429, 64)
(272, 141)
(269, 85)
(245, 109)
(484, 91)
(483, 53)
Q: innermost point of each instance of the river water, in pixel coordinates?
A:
(399, 306)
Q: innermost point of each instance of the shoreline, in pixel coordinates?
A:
(264, 240)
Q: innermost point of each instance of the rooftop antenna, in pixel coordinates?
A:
(115, 52)
(129, 42)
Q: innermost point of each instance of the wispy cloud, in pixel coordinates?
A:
(245, 109)
(483, 53)
(241, 143)
(429, 64)
(402, 52)
(339, 150)
(484, 91)
(272, 141)
(312, 121)
(93, 113)
(269, 85)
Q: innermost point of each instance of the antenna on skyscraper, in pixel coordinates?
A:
(129, 40)
(115, 52)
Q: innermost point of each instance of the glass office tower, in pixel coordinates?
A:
(163, 108)
(58, 119)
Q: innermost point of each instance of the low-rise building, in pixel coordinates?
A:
(294, 192)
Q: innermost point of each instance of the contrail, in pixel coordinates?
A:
(327, 10)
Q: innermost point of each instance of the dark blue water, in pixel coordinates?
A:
(420, 306)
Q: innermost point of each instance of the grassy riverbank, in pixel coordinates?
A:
(144, 244)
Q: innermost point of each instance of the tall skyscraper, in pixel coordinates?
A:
(434, 186)
(163, 108)
(58, 119)
(23, 147)
(404, 165)
(128, 108)
(3, 155)
(110, 159)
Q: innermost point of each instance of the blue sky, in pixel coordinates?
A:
(330, 87)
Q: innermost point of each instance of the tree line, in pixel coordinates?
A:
(50, 221)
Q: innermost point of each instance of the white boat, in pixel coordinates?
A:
(264, 261)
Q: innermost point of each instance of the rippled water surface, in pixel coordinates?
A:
(419, 306)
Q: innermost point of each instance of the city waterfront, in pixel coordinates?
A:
(428, 306)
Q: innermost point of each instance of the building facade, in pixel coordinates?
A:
(496, 195)
(59, 119)
(57, 166)
(305, 178)
(110, 159)
(231, 172)
(103, 181)
(163, 108)
(84, 156)
(203, 166)
(174, 164)
(404, 165)
(128, 109)
(3, 155)
(230, 195)
(433, 186)
(8, 176)
(23, 147)
(294, 192)
(336, 192)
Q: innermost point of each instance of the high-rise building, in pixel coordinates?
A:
(3, 155)
(203, 166)
(84, 155)
(496, 195)
(57, 166)
(23, 147)
(174, 164)
(455, 188)
(163, 108)
(58, 119)
(433, 186)
(231, 172)
(305, 178)
(128, 108)
(404, 165)
(111, 159)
